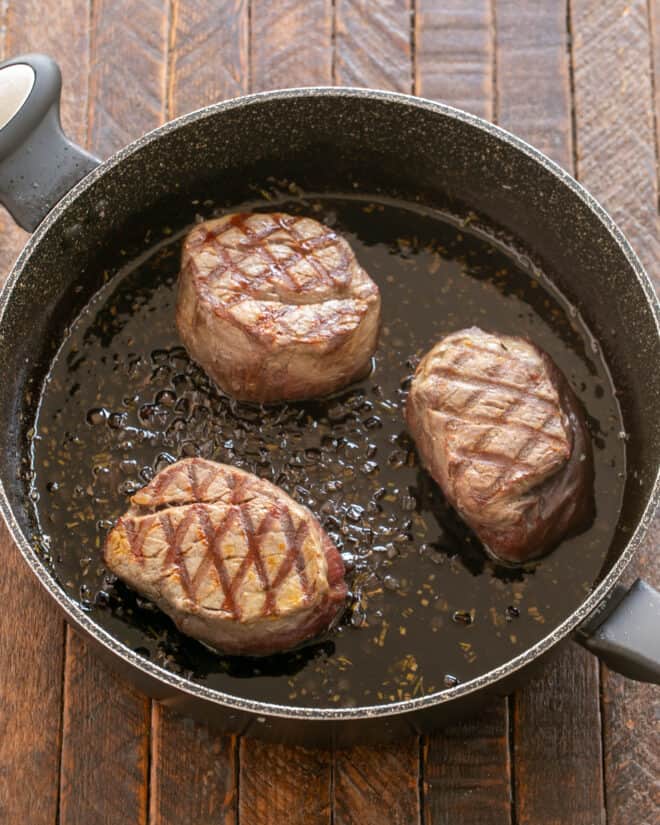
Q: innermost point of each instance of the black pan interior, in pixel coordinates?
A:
(436, 276)
(428, 609)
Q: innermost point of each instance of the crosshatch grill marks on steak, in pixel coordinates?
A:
(213, 537)
(293, 536)
(174, 538)
(198, 488)
(247, 569)
(254, 558)
(276, 307)
(274, 269)
(136, 537)
(501, 431)
(237, 484)
(522, 396)
(255, 244)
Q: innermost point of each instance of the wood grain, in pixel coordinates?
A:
(11, 237)
(280, 784)
(132, 36)
(654, 23)
(454, 54)
(104, 761)
(467, 776)
(31, 629)
(31, 659)
(105, 746)
(556, 719)
(616, 156)
(373, 44)
(557, 744)
(533, 75)
(631, 714)
(466, 770)
(10, 242)
(193, 772)
(290, 44)
(378, 785)
(60, 30)
(208, 53)
(128, 71)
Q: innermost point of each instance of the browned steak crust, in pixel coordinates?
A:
(229, 557)
(276, 307)
(498, 427)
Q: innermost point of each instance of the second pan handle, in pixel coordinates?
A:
(625, 632)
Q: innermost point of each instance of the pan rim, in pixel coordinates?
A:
(83, 621)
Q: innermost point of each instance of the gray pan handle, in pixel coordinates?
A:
(625, 632)
(38, 164)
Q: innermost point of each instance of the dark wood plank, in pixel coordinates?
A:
(284, 785)
(105, 749)
(556, 721)
(533, 75)
(372, 44)
(373, 49)
(290, 43)
(208, 53)
(630, 714)
(128, 71)
(31, 629)
(557, 744)
(193, 772)
(60, 30)
(377, 785)
(454, 53)
(11, 237)
(467, 774)
(631, 729)
(31, 660)
(613, 103)
(616, 156)
(466, 769)
(654, 22)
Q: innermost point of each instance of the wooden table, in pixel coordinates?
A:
(580, 746)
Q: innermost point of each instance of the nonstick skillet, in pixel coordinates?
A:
(426, 194)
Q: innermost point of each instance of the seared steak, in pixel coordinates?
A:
(229, 557)
(498, 427)
(276, 307)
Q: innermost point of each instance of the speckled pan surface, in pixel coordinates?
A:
(342, 138)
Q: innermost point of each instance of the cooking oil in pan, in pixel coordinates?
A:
(428, 609)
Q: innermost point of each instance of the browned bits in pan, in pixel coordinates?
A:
(410, 562)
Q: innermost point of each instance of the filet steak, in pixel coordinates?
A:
(229, 557)
(276, 307)
(500, 430)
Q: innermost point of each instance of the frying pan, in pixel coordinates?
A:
(392, 143)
